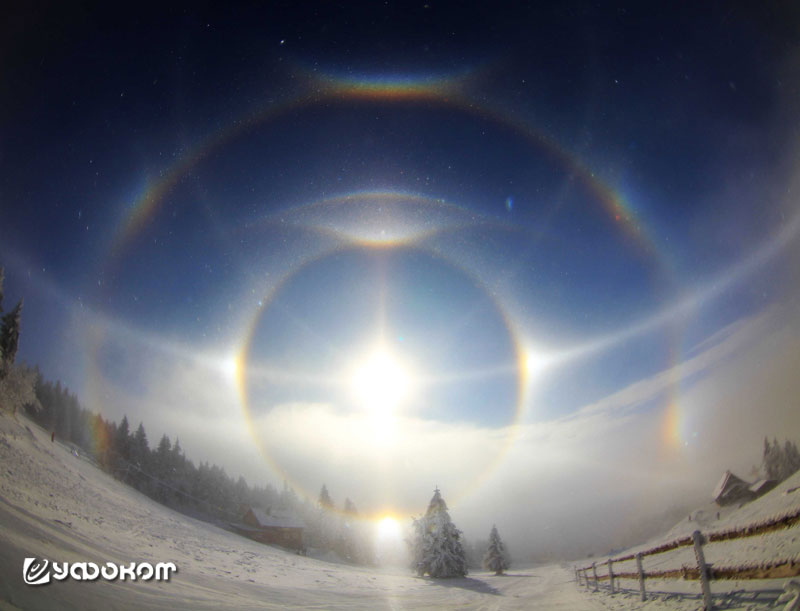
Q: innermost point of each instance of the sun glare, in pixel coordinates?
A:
(389, 529)
(380, 382)
(230, 368)
(536, 362)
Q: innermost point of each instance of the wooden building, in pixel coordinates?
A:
(732, 489)
(763, 486)
(264, 527)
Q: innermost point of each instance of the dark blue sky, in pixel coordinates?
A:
(596, 181)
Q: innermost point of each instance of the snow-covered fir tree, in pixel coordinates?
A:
(496, 558)
(350, 508)
(353, 542)
(780, 461)
(16, 383)
(9, 332)
(325, 501)
(17, 389)
(9, 336)
(435, 543)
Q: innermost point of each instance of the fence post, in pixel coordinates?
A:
(594, 572)
(585, 578)
(697, 538)
(610, 577)
(641, 575)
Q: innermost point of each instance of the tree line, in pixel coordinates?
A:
(163, 472)
(780, 461)
(205, 491)
(16, 383)
(340, 531)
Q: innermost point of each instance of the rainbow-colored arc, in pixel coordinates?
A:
(388, 88)
(448, 93)
(242, 358)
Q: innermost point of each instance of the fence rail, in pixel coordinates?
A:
(703, 572)
(772, 570)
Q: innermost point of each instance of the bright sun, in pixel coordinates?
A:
(230, 368)
(389, 529)
(536, 362)
(380, 382)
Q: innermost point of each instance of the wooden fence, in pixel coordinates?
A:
(703, 572)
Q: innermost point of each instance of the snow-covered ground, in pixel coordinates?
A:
(744, 552)
(56, 506)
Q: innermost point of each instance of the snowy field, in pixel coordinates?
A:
(60, 507)
(56, 506)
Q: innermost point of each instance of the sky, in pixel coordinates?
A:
(542, 257)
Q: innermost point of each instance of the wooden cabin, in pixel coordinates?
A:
(732, 489)
(763, 486)
(283, 530)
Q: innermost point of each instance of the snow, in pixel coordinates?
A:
(747, 551)
(61, 507)
(722, 483)
(437, 548)
(280, 521)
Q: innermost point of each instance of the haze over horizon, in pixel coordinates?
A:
(545, 259)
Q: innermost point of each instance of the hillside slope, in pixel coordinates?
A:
(754, 551)
(60, 507)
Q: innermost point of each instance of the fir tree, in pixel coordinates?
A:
(350, 508)
(9, 336)
(780, 462)
(17, 389)
(140, 448)
(163, 454)
(435, 544)
(162, 468)
(122, 440)
(325, 501)
(140, 457)
(351, 543)
(791, 457)
(495, 559)
(177, 458)
(17, 384)
(288, 497)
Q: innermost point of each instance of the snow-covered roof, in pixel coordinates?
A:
(762, 484)
(721, 484)
(727, 480)
(243, 527)
(279, 521)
